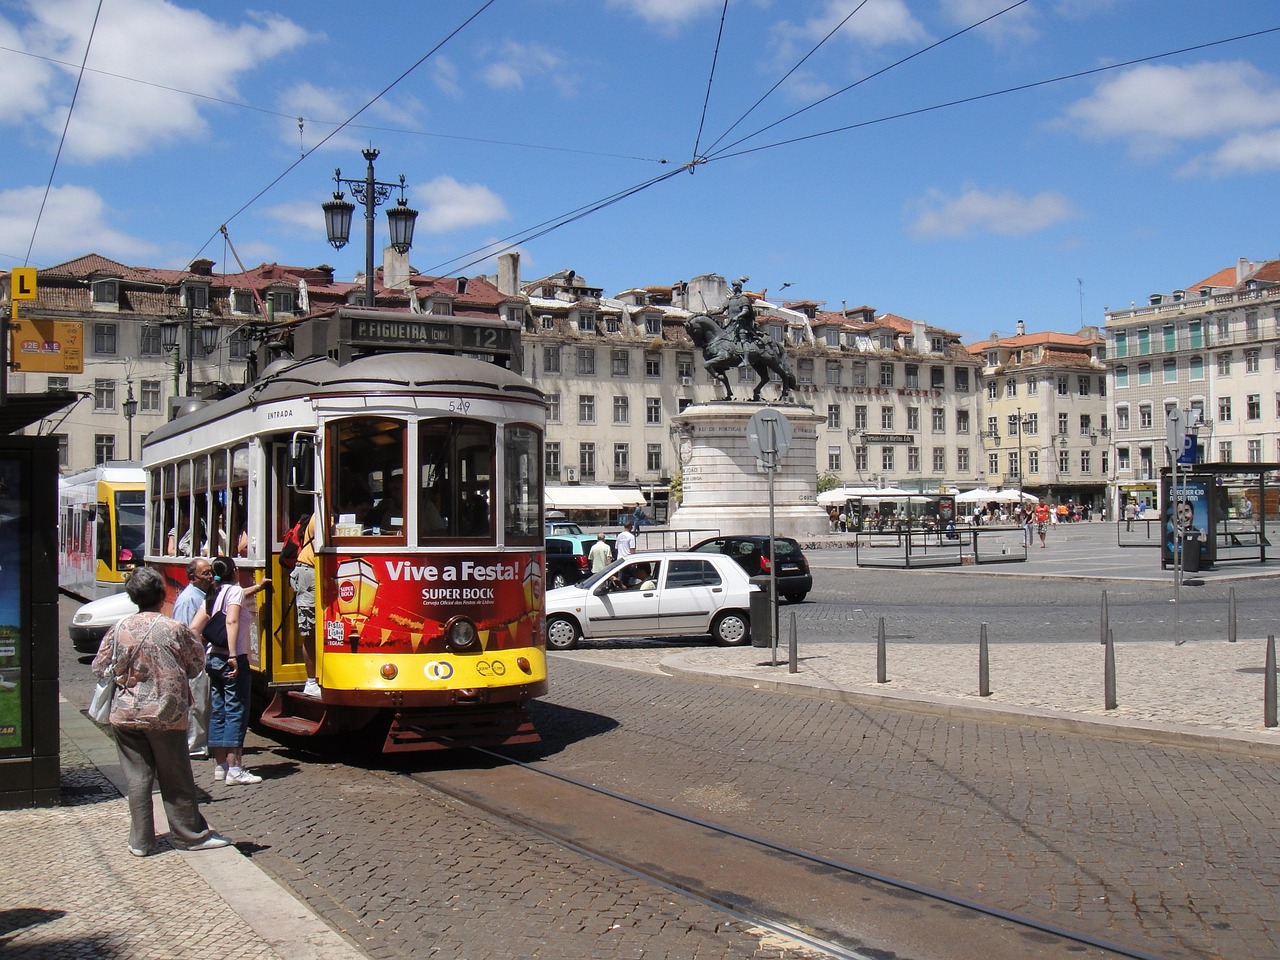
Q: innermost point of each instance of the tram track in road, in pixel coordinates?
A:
(822, 904)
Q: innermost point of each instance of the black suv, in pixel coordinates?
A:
(752, 553)
(568, 557)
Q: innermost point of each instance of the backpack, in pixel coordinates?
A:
(293, 543)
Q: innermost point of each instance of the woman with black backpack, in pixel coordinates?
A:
(225, 625)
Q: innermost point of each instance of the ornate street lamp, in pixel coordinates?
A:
(169, 330)
(371, 193)
(130, 411)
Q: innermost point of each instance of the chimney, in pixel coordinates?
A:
(509, 274)
(1242, 269)
(919, 336)
(395, 269)
(1020, 329)
(201, 268)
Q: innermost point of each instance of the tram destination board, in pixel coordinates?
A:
(444, 335)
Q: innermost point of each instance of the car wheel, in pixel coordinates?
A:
(795, 597)
(558, 580)
(731, 629)
(562, 633)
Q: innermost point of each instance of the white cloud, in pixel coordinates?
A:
(667, 13)
(981, 211)
(147, 40)
(450, 205)
(1155, 107)
(1245, 153)
(1012, 27)
(74, 223)
(518, 63)
(877, 23)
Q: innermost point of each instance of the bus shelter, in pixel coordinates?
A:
(1225, 512)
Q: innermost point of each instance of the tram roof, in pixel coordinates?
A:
(408, 372)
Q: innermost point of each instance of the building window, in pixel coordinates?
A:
(1195, 368)
(653, 411)
(149, 396)
(1013, 464)
(1170, 370)
(1064, 461)
(938, 416)
(104, 339)
(993, 427)
(63, 384)
(550, 359)
(1224, 452)
(1252, 361)
(621, 410)
(993, 463)
(652, 365)
(833, 459)
(1144, 417)
(962, 380)
(1253, 406)
(553, 407)
(804, 371)
(1122, 344)
(243, 302)
(913, 459)
(1195, 334)
(1082, 386)
(1144, 374)
(1224, 364)
(586, 408)
(281, 301)
(913, 418)
(1031, 424)
(653, 457)
(684, 365)
(938, 377)
(1224, 409)
(886, 459)
(1255, 451)
(1064, 421)
(548, 322)
(993, 390)
(1085, 461)
(833, 373)
(939, 459)
(1064, 386)
(64, 449)
(912, 376)
(1123, 461)
(886, 374)
(860, 459)
(195, 296)
(587, 461)
(936, 345)
(859, 374)
(886, 418)
(962, 459)
(1011, 425)
(860, 417)
(621, 461)
(105, 293)
(1170, 338)
(1144, 341)
(586, 321)
(833, 416)
(1086, 424)
(586, 361)
(1251, 324)
(551, 460)
(149, 341)
(962, 421)
(239, 345)
(1033, 462)
(1122, 377)
(621, 363)
(104, 448)
(104, 394)
(1011, 387)
(1033, 387)
(1122, 418)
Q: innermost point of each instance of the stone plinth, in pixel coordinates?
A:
(725, 489)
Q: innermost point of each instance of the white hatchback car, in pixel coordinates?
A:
(95, 618)
(655, 595)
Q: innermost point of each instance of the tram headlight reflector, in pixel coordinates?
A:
(461, 633)
(523, 664)
(389, 671)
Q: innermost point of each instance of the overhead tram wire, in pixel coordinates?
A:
(783, 79)
(71, 108)
(333, 133)
(871, 76)
(723, 155)
(715, 58)
(405, 131)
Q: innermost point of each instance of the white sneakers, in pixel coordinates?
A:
(212, 842)
(219, 772)
(311, 689)
(239, 775)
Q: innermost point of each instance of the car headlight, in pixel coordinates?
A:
(461, 633)
(82, 618)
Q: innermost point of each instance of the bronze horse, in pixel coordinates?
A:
(721, 352)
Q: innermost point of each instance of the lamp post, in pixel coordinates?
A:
(130, 411)
(370, 192)
(169, 330)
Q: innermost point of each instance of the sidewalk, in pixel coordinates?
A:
(70, 889)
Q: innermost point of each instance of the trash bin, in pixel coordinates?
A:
(1191, 551)
(761, 614)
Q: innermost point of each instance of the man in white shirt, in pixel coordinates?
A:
(625, 545)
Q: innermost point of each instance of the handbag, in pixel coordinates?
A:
(215, 628)
(100, 703)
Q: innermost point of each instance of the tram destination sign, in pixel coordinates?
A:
(432, 335)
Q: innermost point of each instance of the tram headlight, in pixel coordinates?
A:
(461, 633)
(389, 671)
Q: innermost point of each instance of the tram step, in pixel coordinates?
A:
(453, 729)
(296, 714)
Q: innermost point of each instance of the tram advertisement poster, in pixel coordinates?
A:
(1193, 509)
(402, 603)
(12, 500)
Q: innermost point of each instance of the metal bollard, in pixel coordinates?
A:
(984, 667)
(881, 666)
(793, 665)
(1109, 675)
(1231, 615)
(1106, 619)
(1269, 686)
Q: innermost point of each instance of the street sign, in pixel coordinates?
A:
(1175, 422)
(22, 284)
(47, 346)
(1188, 454)
(768, 437)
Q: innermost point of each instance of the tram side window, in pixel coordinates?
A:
(522, 484)
(455, 481)
(368, 499)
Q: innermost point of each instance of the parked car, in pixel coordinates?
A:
(752, 553)
(562, 526)
(654, 595)
(94, 619)
(568, 559)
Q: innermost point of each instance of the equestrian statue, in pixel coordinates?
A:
(739, 341)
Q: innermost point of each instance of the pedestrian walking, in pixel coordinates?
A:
(600, 556)
(1042, 514)
(625, 545)
(153, 658)
(1130, 514)
(185, 608)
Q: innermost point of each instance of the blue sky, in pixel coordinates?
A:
(1047, 204)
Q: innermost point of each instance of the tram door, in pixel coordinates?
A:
(285, 662)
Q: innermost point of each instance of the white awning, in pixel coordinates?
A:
(582, 497)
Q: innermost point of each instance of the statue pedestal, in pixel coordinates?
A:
(723, 487)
